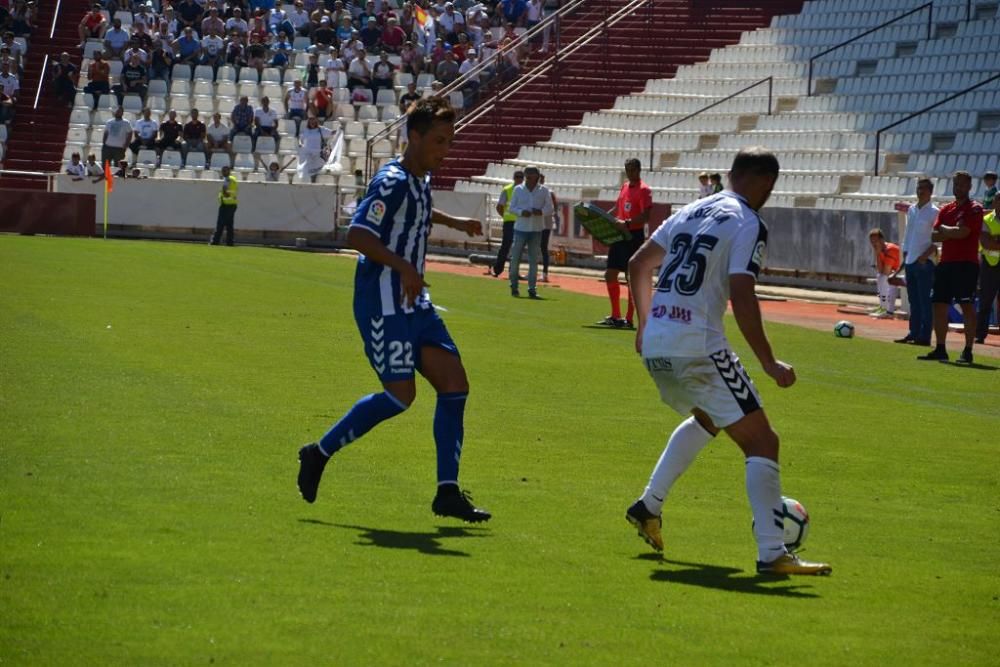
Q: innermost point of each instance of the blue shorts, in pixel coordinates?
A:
(393, 342)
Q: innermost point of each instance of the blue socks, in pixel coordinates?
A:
(449, 429)
(366, 414)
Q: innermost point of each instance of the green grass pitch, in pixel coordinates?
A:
(153, 397)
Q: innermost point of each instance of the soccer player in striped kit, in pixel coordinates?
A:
(402, 332)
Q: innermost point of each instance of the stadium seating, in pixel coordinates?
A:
(826, 141)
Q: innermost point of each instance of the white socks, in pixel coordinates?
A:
(685, 442)
(887, 293)
(764, 491)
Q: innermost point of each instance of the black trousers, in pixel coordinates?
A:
(225, 221)
(504, 252)
(546, 233)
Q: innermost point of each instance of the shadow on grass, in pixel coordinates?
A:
(425, 543)
(974, 366)
(726, 579)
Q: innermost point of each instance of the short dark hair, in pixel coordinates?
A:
(925, 183)
(715, 177)
(755, 160)
(876, 232)
(519, 174)
(633, 162)
(532, 170)
(423, 113)
(990, 174)
(963, 175)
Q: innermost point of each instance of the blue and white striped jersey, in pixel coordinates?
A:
(397, 209)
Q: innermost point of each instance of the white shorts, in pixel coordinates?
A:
(717, 385)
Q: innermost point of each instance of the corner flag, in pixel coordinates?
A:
(109, 185)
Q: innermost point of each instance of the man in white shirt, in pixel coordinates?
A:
(918, 263)
(265, 121)
(75, 168)
(237, 23)
(452, 22)
(146, 130)
(359, 74)
(217, 135)
(212, 49)
(531, 203)
(117, 133)
(298, 17)
(296, 101)
(9, 86)
(94, 170)
(115, 40)
(709, 253)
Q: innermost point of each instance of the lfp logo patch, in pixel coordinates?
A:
(376, 212)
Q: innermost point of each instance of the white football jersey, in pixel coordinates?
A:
(706, 242)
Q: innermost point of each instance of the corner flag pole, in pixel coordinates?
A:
(108, 187)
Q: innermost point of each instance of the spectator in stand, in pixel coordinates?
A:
(235, 51)
(368, 15)
(704, 185)
(116, 40)
(213, 24)
(887, 263)
(298, 17)
(313, 74)
(273, 173)
(281, 51)
(382, 74)
(133, 81)
(990, 189)
(164, 35)
(393, 37)
(533, 15)
(256, 54)
(237, 23)
(958, 227)
(409, 97)
(92, 26)
(170, 133)
(189, 14)
(145, 17)
(461, 50)
(322, 100)
(146, 131)
(333, 68)
(13, 51)
(94, 171)
(314, 136)
(343, 34)
(161, 62)
(187, 48)
(194, 136)
(514, 11)
(296, 102)
(470, 90)
(371, 37)
(123, 170)
(437, 53)
(241, 118)
(217, 135)
(135, 49)
(22, 18)
(351, 46)
(359, 74)
(277, 18)
(989, 269)
(75, 168)
(411, 59)
(265, 120)
(918, 263)
(141, 38)
(99, 74)
(117, 135)
(447, 69)
(716, 180)
(64, 77)
(451, 23)
(173, 25)
(213, 50)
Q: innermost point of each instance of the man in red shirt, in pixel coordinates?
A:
(635, 201)
(886, 264)
(92, 26)
(957, 228)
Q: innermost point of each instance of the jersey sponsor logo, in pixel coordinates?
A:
(628, 207)
(376, 212)
(758, 253)
(678, 314)
(659, 364)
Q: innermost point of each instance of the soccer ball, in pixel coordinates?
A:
(796, 523)
(843, 329)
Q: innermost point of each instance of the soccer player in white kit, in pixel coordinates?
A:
(708, 253)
